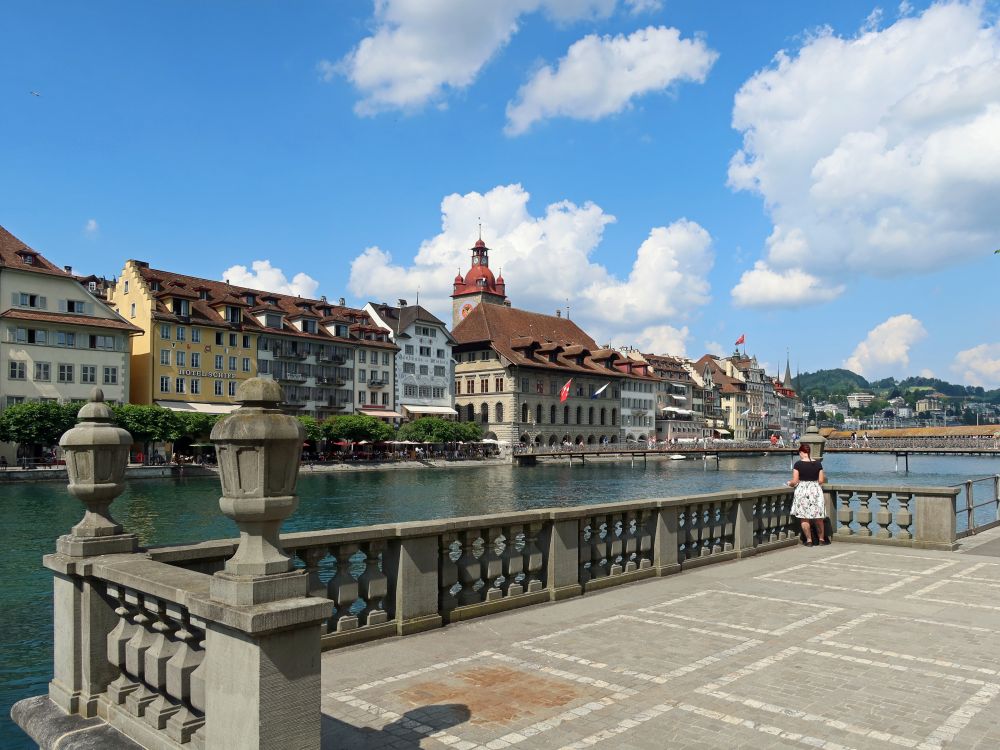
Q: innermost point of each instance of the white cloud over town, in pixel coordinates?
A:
(546, 264)
(262, 275)
(792, 287)
(602, 75)
(886, 349)
(91, 228)
(875, 154)
(979, 365)
(422, 49)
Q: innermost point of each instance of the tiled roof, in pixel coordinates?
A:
(401, 318)
(69, 319)
(11, 246)
(518, 334)
(220, 293)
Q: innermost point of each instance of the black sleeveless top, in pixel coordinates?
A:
(808, 470)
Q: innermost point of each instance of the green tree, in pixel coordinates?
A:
(314, 431)
(195, 425)
(357, 427)
(149, 424)
(37, 423)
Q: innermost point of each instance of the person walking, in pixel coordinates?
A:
(808, 504)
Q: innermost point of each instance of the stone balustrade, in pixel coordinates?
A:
(217, 644)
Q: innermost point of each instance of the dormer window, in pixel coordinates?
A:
(181, 306)
(233, 314)
(309, 326)
(28, 259)
(251, 299)
(272, 321)
(154, 286)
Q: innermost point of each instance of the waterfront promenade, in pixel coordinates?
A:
(844, 646)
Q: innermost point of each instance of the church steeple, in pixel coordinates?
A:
(787, 382)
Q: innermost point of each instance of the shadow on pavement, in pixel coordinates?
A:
(405, 733)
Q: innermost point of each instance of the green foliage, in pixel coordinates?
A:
(196, 425)
(148, 424)
(357, 427)
(437, 430)
(37, 422)
(314, 431)
(828, 384)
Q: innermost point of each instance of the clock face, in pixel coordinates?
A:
(466, 309)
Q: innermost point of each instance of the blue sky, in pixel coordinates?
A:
(349, 149)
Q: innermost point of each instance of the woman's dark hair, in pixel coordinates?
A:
(804, 448)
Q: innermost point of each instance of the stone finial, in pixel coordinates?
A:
(258, 448)
(96, 456)
(814, 440)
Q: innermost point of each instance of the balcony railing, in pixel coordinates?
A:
(283, 354)
(333, 359)
(376, 384)
(292, 377)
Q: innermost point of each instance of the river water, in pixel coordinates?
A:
(187, 510)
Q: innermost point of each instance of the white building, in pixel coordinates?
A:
(59, 340)
(859, 400)
(424, 365)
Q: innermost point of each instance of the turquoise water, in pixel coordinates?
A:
(186, 510)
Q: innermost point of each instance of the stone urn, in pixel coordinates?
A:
(258, 449)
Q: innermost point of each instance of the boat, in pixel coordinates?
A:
(677, 456)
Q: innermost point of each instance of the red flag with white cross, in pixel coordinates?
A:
(564, 393)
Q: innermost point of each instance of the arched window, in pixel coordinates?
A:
(470, 413)
(590, 415)
(524, 412)
(484, 413)
(498, 412)
(565, 415)
(579, 415)
(603, 410)
(552, 414)
(614, 416)
(538, 414)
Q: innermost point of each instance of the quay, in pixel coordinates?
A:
(687, 622)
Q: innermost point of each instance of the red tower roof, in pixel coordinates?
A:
(479, 278)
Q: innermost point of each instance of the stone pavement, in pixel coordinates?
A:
(844, 646)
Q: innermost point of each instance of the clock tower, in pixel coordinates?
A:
(478, 287)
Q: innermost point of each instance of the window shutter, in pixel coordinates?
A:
(42, 304)
(90, 308)
(15, 299)
(62, 305)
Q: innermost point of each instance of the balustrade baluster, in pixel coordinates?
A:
(615, 544)
(534, 560)
(135, 656)
(845, 514)
(758, 522)
(716, 520)
(728, 509)
(903, 516)
(513, 561)
(468, 569)
(491, 565)
(343, 590)
(630, 536)
(159, 653)
(118, 639)
(311, 557)
(586, 550)
(773, 519)
(600, 530)
(644, 533)
(691, 516)
(198, 631)
(374, 586)
(448, 573)
(785, 517)
(883, 517)
(705, 530)
(180, 668)
(864, 514)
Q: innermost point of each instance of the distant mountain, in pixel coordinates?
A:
(823, 383)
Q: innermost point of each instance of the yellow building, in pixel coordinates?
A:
(197, 344)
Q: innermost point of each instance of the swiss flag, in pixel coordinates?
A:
(742, 339)
(564, 393)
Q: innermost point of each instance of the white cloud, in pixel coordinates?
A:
(601, 75)
(420, 49)
(886, 348)
(714, 347)
(765, 287)
(878, 154)
(979, 365)
(927, 373)
(663, 340)
(546, 265)
(91, 227)
(643, 6)
(268, 278)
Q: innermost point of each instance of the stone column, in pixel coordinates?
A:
(561, 537)
(96, 456)
(666, 540)
(411, 565)
(262, 676)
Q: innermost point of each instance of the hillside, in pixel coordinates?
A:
(823, 383)
(837, 383)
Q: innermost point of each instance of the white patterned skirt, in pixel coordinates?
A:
(808, 501)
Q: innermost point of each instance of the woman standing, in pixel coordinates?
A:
(808, 504)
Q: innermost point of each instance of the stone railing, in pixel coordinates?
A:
(218, 644)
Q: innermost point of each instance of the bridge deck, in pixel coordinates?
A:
(844, 646)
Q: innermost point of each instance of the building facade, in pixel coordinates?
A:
(424, 366)
(59, 339)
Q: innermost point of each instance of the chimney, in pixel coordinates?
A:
(558, 313)
(68, 269)
(402, 303)
(342, 302)
(323, 298)
(506, 303)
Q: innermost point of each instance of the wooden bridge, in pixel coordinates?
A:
(717, 452)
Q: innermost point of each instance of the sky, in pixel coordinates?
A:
(821, 177)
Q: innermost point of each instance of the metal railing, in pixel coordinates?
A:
(966, 505)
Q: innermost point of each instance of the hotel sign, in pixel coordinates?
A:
(200, 374)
